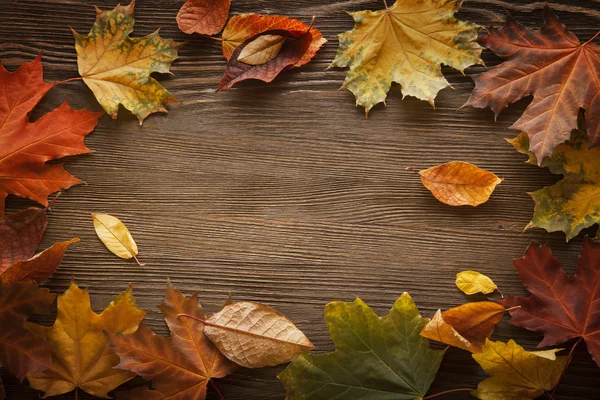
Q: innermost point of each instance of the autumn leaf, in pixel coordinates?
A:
(20, 235)
(20, 350)
(383, 355)
(242, 27)
(560, 307)
(459, 183)
(115, 236)
(405, 43)
(25, 147)
(552, 65)
(80, 354)
(467, 326)
(517, 374)
(262, 49)
(180, 365)
(254, 335)
(206, 17)
(472, 282)
(292, 50)
(570, 205)
(38, 268)
(117, 67)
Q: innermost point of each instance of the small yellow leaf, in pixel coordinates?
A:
(471, 282)
(517, 374)
(115, 236)
(261, 50)
(254, 335)
(459, 183)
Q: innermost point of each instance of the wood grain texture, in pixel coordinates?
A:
(284, 193)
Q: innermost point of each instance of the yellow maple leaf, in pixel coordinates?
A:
(117, 67)
(80, 354)
(405, 43)
(515, 373)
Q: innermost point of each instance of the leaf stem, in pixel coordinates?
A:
(217, 389)
(386, 6)
(411, 169)
(594, 37)
(213, 37)
(562, 374)
(431, 396)
(68, 80)
(53, 201)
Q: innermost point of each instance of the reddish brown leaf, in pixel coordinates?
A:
(26, 147)
(552, 65)
(38, 268)
(20, 235)
(295, 46)
(242, 27)
(180, 365)
(206, 17)
(20, 350)
(560, 307)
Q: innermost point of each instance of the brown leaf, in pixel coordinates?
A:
(20, 235)
(254, 335)
(466, 327)
(459, 183)
(20, 350)
(294, 48)
(38, 268)
(180, 365)
(262, 49)
(206, 17)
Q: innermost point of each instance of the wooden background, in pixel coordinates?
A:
(284, 193)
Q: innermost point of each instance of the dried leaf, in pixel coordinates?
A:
(261, 50)
(459, 183)
(80, 356)
(38, 268)
(292, 50)
(181, 365)
(117, 67)
(553, 66)
(472, 282)
(517, 374)
(375, 358)
(20, 350)
(206, 17)
(20, 235)
(405, 44)
(242, 27)
(25, 147)
(466, 327)
(115, 236)
(571, 205)
(560, 307)
(254, 335)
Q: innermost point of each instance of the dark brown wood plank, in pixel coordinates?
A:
(284, 193)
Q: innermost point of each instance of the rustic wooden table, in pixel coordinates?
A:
(284, 193)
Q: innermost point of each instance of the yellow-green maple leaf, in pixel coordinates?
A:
(405, 43)
(574, 202)
(117, 67)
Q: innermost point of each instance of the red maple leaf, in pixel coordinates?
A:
(560, 307)
(25, 147)
(552, 65)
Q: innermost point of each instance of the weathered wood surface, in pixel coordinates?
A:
(284, 193)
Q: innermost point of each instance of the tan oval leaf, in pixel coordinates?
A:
(254, 335)
(471, 282)
(115, 236)
(261, 50)
(459, 183)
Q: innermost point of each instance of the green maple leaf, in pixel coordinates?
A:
(574, 202)
(380, 358)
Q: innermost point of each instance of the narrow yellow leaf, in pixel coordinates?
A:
(471, 282)
(261, 50)
(115, 236)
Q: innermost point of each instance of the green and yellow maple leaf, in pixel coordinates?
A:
(574, 202)
(405, 43)
(117, 67)
(383, 358)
